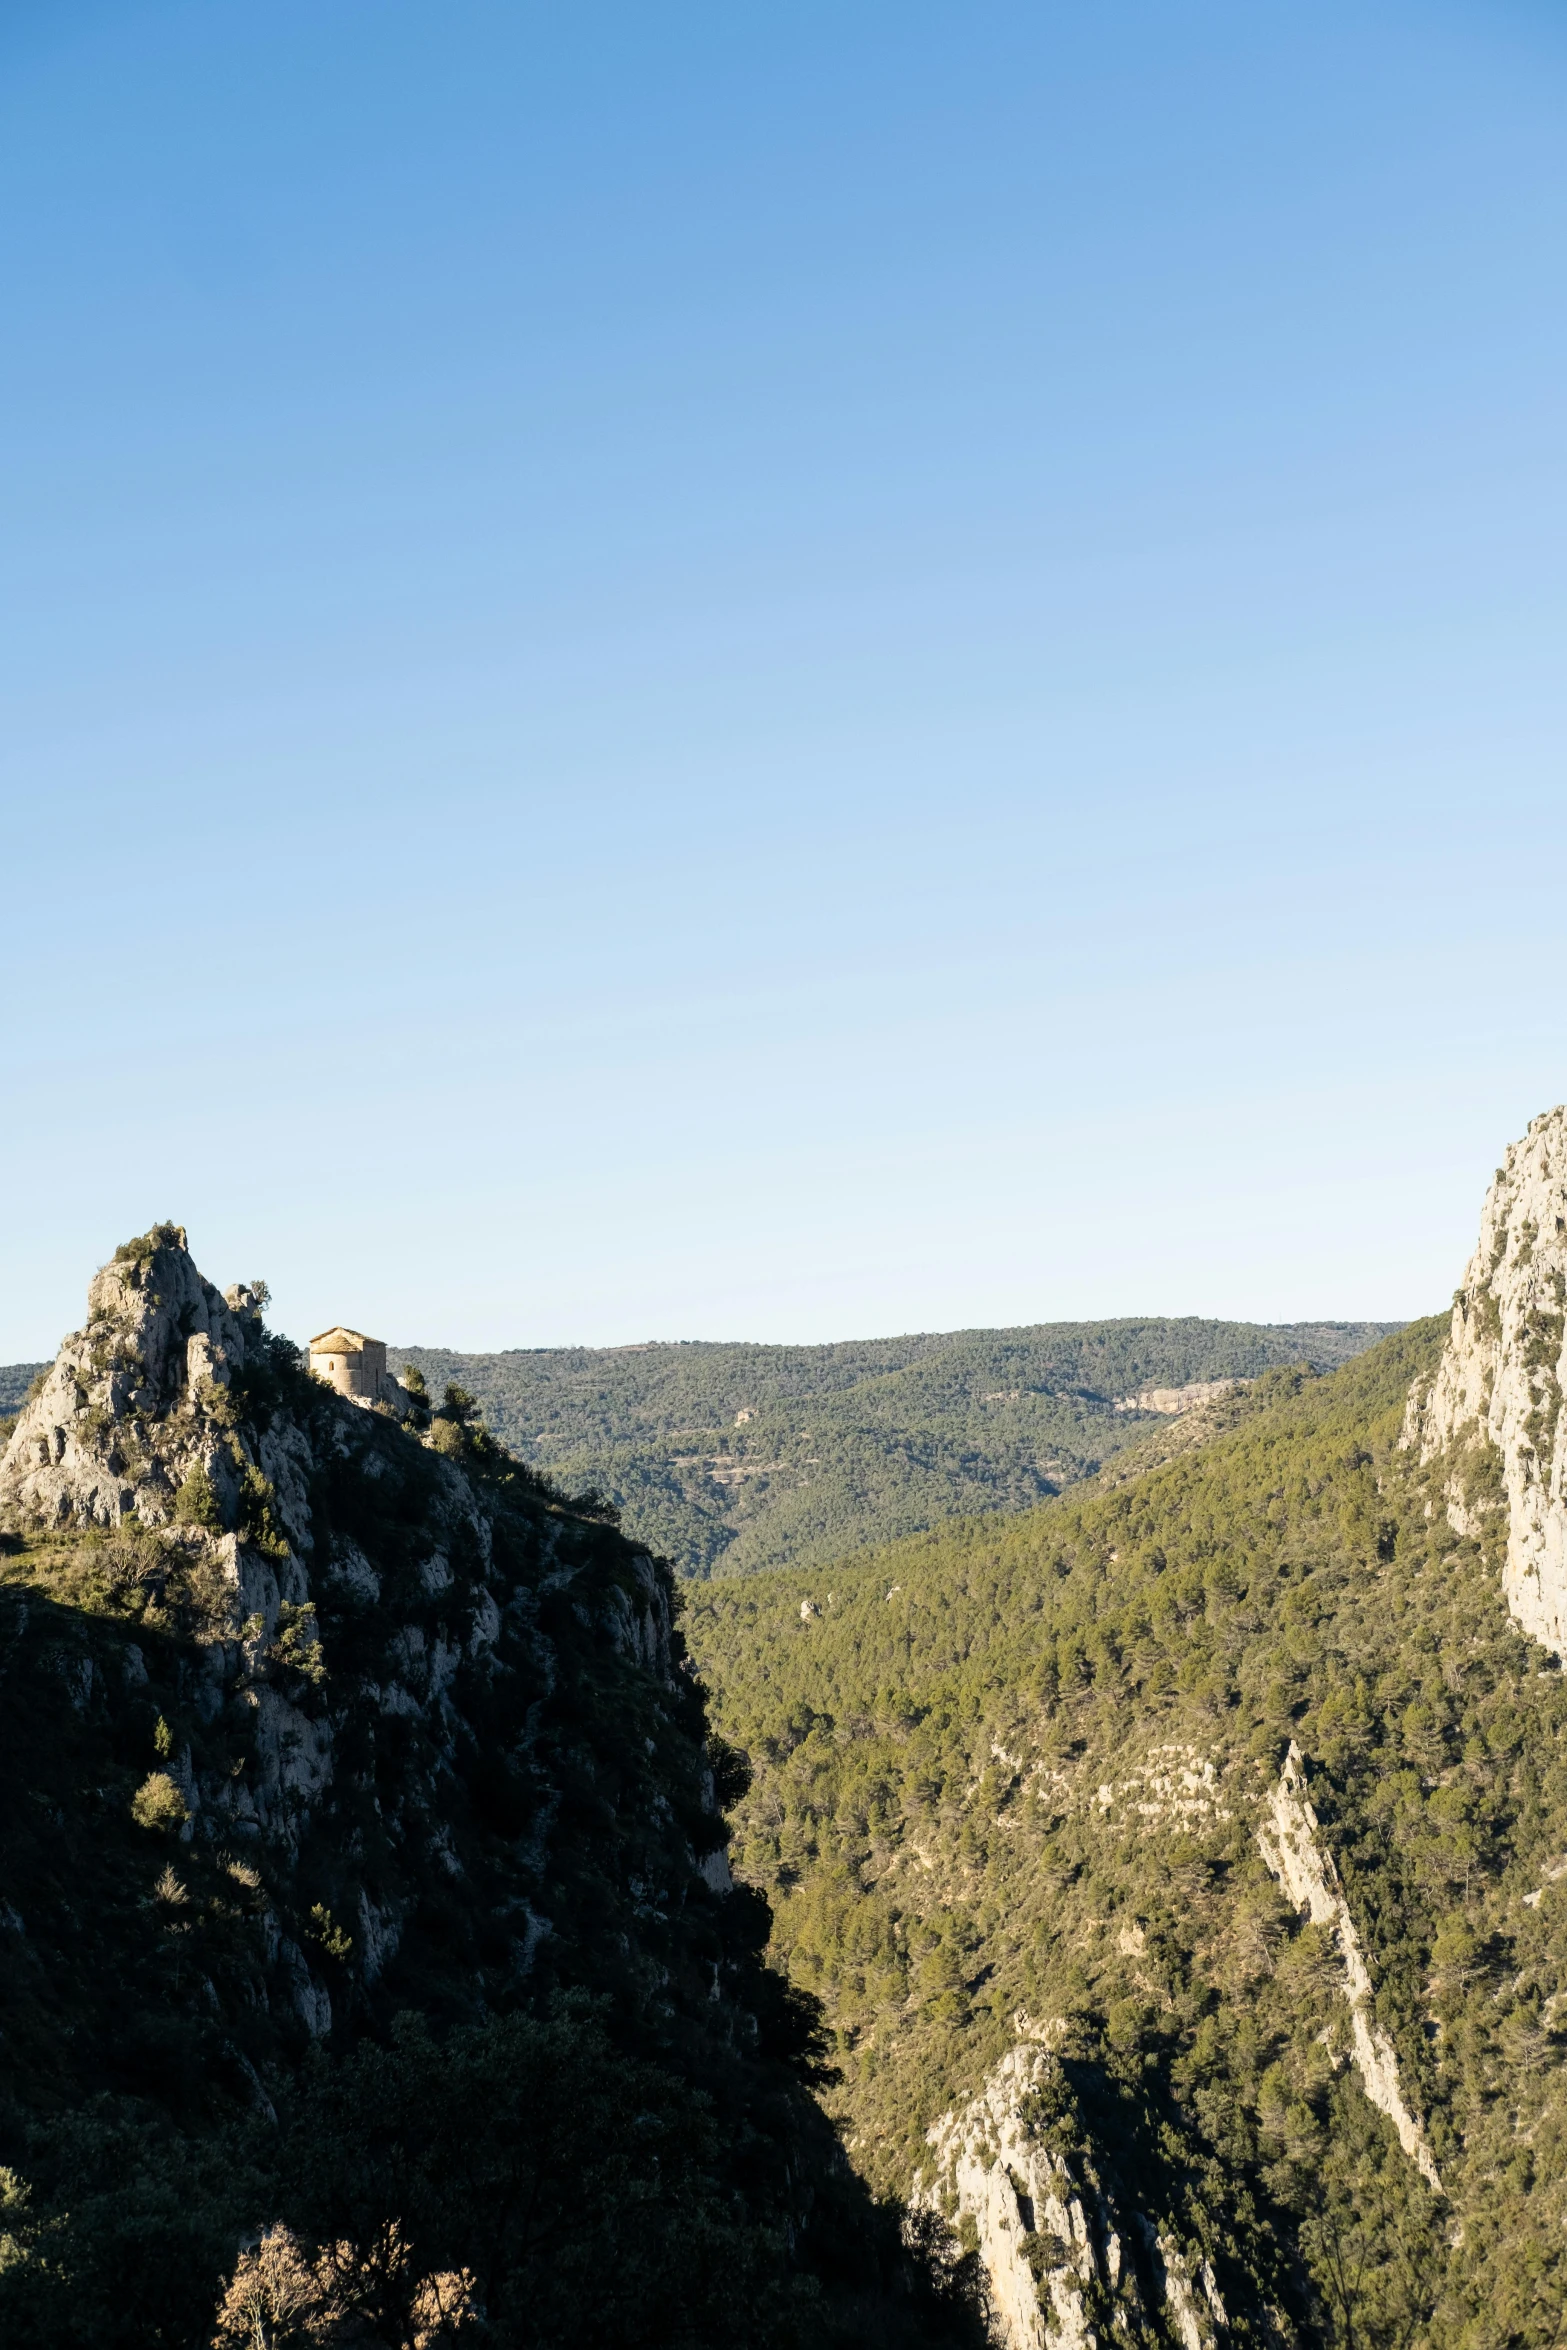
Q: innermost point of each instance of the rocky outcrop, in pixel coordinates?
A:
(1026, 2172)
(1169, 1402)
(134, 1401)
(1291, 1845)
(991, 2170)
(1492, 1413)
(315, 1727)
(1066, 2268)
(365, 1633)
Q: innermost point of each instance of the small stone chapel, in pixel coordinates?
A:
(354, 1364)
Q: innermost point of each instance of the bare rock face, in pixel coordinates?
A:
(229, 1504)
(1292, 1847)
(1066, 2269)
(1493, 1411)
(1018, 2194)
(134, 1401)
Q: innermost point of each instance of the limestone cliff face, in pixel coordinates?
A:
(401, 1691)
(1067, 2267)
(1291, 1845)
(1494, 1407)
(132, 1403)
(991, 2170)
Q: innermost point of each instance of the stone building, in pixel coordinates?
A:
(355, 1365)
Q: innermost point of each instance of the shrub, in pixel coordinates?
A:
(297, 1647)
(578, 2192)
(129, 1561)
(330, 1936)
(196, 1504)
(257, 1516)
(147, 1244)
(158, 1803)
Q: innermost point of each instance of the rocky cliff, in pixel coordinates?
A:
(1070, 2266)
(310, 1719)
(1075, 2259)
(1493, 1410)
(1178, 1868)
(133, 1405)
(330, 1594)
(1291, 1843)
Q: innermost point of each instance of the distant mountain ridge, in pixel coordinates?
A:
(730, 1457)
(15, 1380)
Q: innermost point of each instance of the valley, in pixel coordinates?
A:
(732, 1459)
(1156, 1893)
(811, 759)
(1185, 1860)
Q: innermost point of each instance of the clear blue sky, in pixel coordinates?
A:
(778, 671)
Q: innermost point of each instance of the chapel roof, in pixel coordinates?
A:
(338, 1341)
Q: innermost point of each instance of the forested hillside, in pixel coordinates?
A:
(1027, 1805)
(729, 1458)
(15, 1379)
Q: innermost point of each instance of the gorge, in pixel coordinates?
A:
(1139, 1917)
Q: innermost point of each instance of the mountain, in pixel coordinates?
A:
(1493, 1412)
(372, 1971)
(1183, 1864)
(15, 1380)
(726, 1459)
(1140, 1919)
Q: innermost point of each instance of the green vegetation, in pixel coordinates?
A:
(459, 2044)
(725, 1459)
(158, 1803)
(15, 1381)
(1007, 1778)
(998, 1780)
(196, 1504)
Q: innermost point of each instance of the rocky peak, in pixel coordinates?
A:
(351, 1617)
(313, 1720)
(136, 1400)
(1493, 1410)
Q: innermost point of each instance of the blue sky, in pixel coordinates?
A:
(778, 671)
